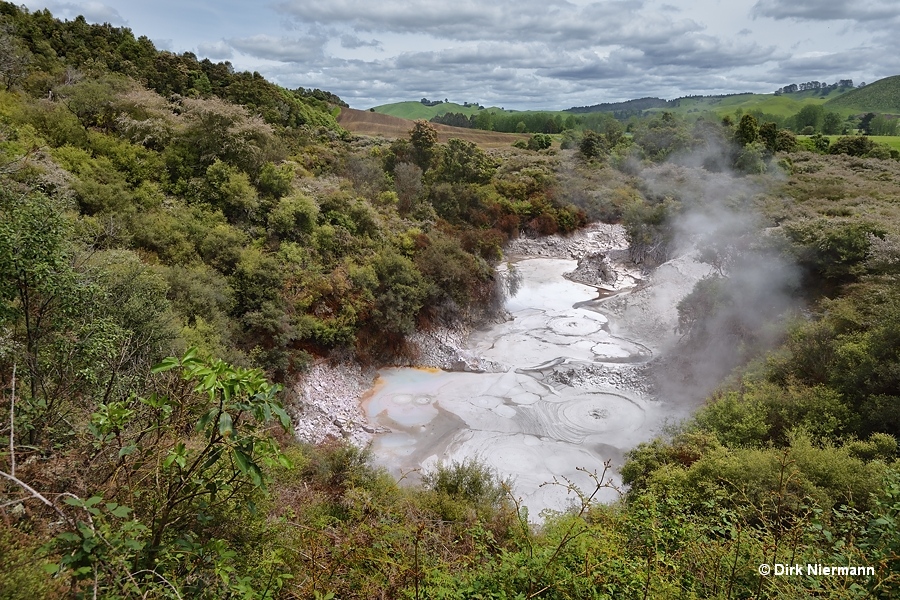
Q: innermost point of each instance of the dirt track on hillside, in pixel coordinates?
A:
(363, 122)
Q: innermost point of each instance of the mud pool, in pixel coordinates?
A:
(537, 418)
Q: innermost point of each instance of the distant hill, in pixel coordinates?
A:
(783, 105)
(882, 96)
(417, 110)
(628, 105)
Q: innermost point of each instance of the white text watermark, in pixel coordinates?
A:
(780, 569)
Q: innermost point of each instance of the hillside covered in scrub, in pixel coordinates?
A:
(179, 242)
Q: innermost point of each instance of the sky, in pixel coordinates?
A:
(521, 54)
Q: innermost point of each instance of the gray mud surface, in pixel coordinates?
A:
(567, 385)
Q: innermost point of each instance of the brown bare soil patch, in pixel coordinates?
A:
(362, 122)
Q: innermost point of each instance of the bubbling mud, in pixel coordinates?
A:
(529, 422)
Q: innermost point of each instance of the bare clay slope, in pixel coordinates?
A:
(369, 123)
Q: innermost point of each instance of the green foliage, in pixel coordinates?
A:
(23, 575)
(134, 223)
(464, 162)
(853, 145)
(751, 159)
(833, 250)
(649, 232)
(229, 190)
(810, 116)
(423, 141)
(832, 123)
(293, 217)
(882, 125)
(398, 296)
(539, 141)
(200, 471)
(275, 181)
(593, 145)
(661, 137)
(747, 131)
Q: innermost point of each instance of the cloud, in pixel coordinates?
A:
(557, 21)
(352, 42)
(827, 10)
(293, 50)
(859, 63)
(215, 50)
(94, 12)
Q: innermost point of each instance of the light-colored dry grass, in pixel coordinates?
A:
(840, 186)
(363, 122)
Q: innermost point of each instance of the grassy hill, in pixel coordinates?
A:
(364, 122)
(879, 97)
(784, 105)
(416, 110)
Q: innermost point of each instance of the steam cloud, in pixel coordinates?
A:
(739, 308)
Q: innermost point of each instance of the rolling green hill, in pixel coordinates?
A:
(416, 110)
(880, 97)
(784, 105)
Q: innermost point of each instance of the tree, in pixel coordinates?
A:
(747, 130)
(883, 125)
(768, 134)
(14, 60)
(854, 145)
(408, 185)
(593, 145)
(423, 138)
(539, 141)
(179, 460)
(398, 296)
(811, 115)
(293, 217)
(865, 123)
(38, 289)
(464, 162)
(662, 136)
(832, 123)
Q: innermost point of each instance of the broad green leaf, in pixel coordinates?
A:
(205, 419)
(225, 424)
(130, 449)
(166, 364)
(256, 475)
(283, 417)
(213, 457)
(242, 461)
(209, 382)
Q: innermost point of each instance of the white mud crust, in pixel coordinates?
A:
(326, 403)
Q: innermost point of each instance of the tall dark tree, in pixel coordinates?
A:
(747, 130)
(423, 138)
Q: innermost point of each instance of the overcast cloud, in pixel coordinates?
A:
(523, 54)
